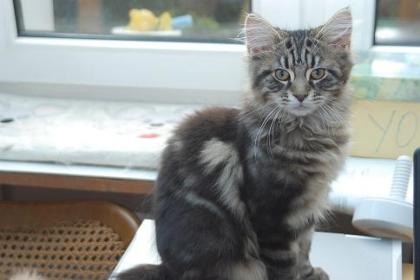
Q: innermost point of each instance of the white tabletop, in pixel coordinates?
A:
(344, 257)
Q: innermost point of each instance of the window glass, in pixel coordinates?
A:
(173, 20)
(398, 22)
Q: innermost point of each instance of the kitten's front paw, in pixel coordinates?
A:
(317, 273)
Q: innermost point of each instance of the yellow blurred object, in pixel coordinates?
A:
(165, 21)
(142, 20)
(385, 129)
(408, 272)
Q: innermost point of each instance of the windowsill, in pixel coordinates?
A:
(362, 177)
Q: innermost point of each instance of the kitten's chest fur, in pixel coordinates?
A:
(287, 179)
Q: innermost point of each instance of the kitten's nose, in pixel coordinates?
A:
(300, 97)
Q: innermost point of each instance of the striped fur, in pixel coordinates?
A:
(240, 190)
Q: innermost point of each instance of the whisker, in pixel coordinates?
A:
(260, 130)
(270, 136)
(255, 110)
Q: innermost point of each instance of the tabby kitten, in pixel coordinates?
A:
(240, 191)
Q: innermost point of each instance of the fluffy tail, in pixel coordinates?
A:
(143, 272)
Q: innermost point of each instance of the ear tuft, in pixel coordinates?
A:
(337, 31)
(260, 35)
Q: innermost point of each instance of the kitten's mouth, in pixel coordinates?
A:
(301, 109)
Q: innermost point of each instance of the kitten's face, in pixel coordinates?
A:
(299, 71)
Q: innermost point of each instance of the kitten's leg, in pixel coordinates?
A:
(194, 275)
(280, 261)
(289, 260)
(251, 269)
(290, 264)
(305, 268)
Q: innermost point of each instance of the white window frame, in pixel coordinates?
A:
(151, 71)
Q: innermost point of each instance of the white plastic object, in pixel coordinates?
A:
(401, 177)
(389, 217)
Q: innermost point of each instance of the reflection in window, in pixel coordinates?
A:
(175, 20)
(398, 22)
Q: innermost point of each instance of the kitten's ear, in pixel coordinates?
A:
(337, 31)
(260, 35)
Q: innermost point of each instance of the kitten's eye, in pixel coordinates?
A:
(281, 75)
(317, 74)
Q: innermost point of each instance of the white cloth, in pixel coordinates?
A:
(86, 131)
